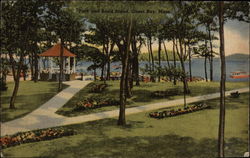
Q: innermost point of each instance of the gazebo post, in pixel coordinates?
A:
(51, 64)
(69, 65)
(50, 68)
(40, 64)
(40, 67)
(63, 63)
(74, 65)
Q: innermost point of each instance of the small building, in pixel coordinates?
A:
(49, 64)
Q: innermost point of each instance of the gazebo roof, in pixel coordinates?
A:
(55, 52)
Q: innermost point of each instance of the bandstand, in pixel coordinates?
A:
(49, 68)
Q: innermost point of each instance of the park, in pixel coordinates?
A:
(156, 79)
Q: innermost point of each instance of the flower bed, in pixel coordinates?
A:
(167, 93)
(33, 136)
(170, 113)
(98, 88)
(94, 102)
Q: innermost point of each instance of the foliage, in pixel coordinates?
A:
(93, 54)
(98, 88)
(3, 85)
(62, 22)
(166, 71)
(144, 56)
(172, 112)
(34, 136)
(95, 102)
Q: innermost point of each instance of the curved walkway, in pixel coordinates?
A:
(45, 116)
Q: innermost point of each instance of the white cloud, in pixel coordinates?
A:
(235, 43)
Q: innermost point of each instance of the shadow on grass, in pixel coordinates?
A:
(142, 96)
(167, 146)
(26, 103)
(231, 103)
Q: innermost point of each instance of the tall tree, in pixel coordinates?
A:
(136, 43)
(203, 51)
(17, 25)
(100, 37)
(182, 13)
(222, 82)
(149, 32)
(207, 17)
(67, 27)
(124, 48)
(122, 33)
(229, 10)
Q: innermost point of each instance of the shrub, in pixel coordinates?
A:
(172, 112)
(3, 86)
(167, 93)
(95, 102)
(98, 88)
(235, 94)
(34, 136)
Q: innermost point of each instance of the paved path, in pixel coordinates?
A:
(45, 116)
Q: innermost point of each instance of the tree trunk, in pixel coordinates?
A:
(136, 70)
(205, 68)
(152, 59)
(24, 74)
(14, 94)
(104, 70)
(108, 68)
(174, 59)
(181, 56)
(16, 76)
(185, 51)
(190, 65)
(149, 56)
(222, 83)
(108, 62)
(31, 66)
(102, 73)
(13, 67)
(159, 57)
(151, 52)
(166, 52)
(135, 63)
(185, 85)
(123, 97)
(94, 74)
(61, 66)
(36, 68)
(184, 94)
(129, 80)
(211, 55)
(36, 64)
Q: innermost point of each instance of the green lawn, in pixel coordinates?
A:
(191, 135)
(141, 94)
(30, 96)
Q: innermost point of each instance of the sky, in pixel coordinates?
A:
(236, 38)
